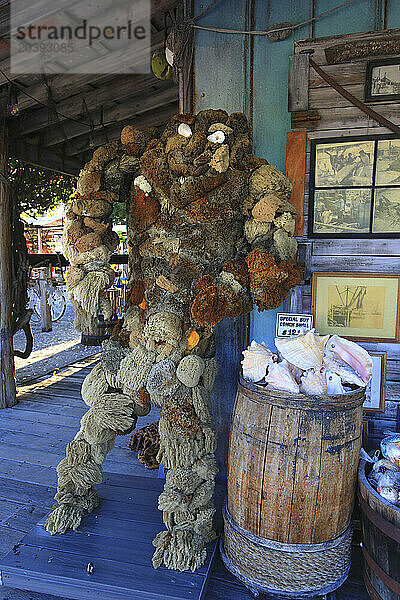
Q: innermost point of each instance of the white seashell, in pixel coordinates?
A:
(142, 183)
(256, 360)
(184, 130)
(351, 354)
(346, 374)
(304, 351)
(279, 377)
(169, 55)
(333, 384)
(313, 383)
(218, 137)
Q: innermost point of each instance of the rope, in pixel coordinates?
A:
(290, 571)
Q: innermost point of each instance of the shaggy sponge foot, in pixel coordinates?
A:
(179, 550)
(62, 518)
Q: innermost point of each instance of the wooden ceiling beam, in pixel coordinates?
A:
(120, 112)
(119, 88)
(119, 61)
(44, 158)
(155, 118)
(65, 85)
(41, 10)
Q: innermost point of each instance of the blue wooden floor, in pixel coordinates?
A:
(116, 537)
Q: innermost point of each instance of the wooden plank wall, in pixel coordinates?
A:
(340, 119)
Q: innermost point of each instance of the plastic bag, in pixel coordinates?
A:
(390, 448)
(388, 486)
(380, 468)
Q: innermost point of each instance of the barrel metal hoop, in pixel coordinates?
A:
(380, 522)
(370, 588)
(348, 400)
(285, 547)
(393, 585)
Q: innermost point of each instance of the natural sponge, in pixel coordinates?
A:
(190, 369)
(270, 282)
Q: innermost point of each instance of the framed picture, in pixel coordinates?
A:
(382, 82)
(359, 306)
(355, 187)
(375, 390)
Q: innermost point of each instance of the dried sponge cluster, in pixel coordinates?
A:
(267, 179)
(146, 442)
(88, 238)
(224, 297)
(270, 282)
(136, 141)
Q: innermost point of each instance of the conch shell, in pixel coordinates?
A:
(313, 383)
(256, 360)
(304, 351)
(351, 354)
(333, 384)
(346, 374)
(279, 377)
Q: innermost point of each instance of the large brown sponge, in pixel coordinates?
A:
(270, 282)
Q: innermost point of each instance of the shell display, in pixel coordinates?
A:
(304, 351)
(279, 377)
(351, 354)
(309, 363)
(256, 360)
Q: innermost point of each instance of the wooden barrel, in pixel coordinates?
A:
(291, 481)
(380, 521)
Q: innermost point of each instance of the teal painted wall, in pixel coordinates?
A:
(222, 80)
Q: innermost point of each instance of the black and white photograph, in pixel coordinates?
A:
(388, 163)
(386, 217)
(342, 211)
(344, 164)
(382, 80)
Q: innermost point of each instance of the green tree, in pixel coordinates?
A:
(119, 213)
(36, 190)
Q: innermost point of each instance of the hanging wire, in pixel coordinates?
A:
(21, 89)
(90, 125)
(269, 31)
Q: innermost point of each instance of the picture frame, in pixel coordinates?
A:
(376, 389)
(382, 80)
(354, 189)
(358, 306)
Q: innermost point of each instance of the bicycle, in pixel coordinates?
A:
(54, 286)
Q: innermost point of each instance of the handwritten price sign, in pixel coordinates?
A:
(288, 325)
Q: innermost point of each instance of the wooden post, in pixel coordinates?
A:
(45, 311)
(8, 394)
(39, 239)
